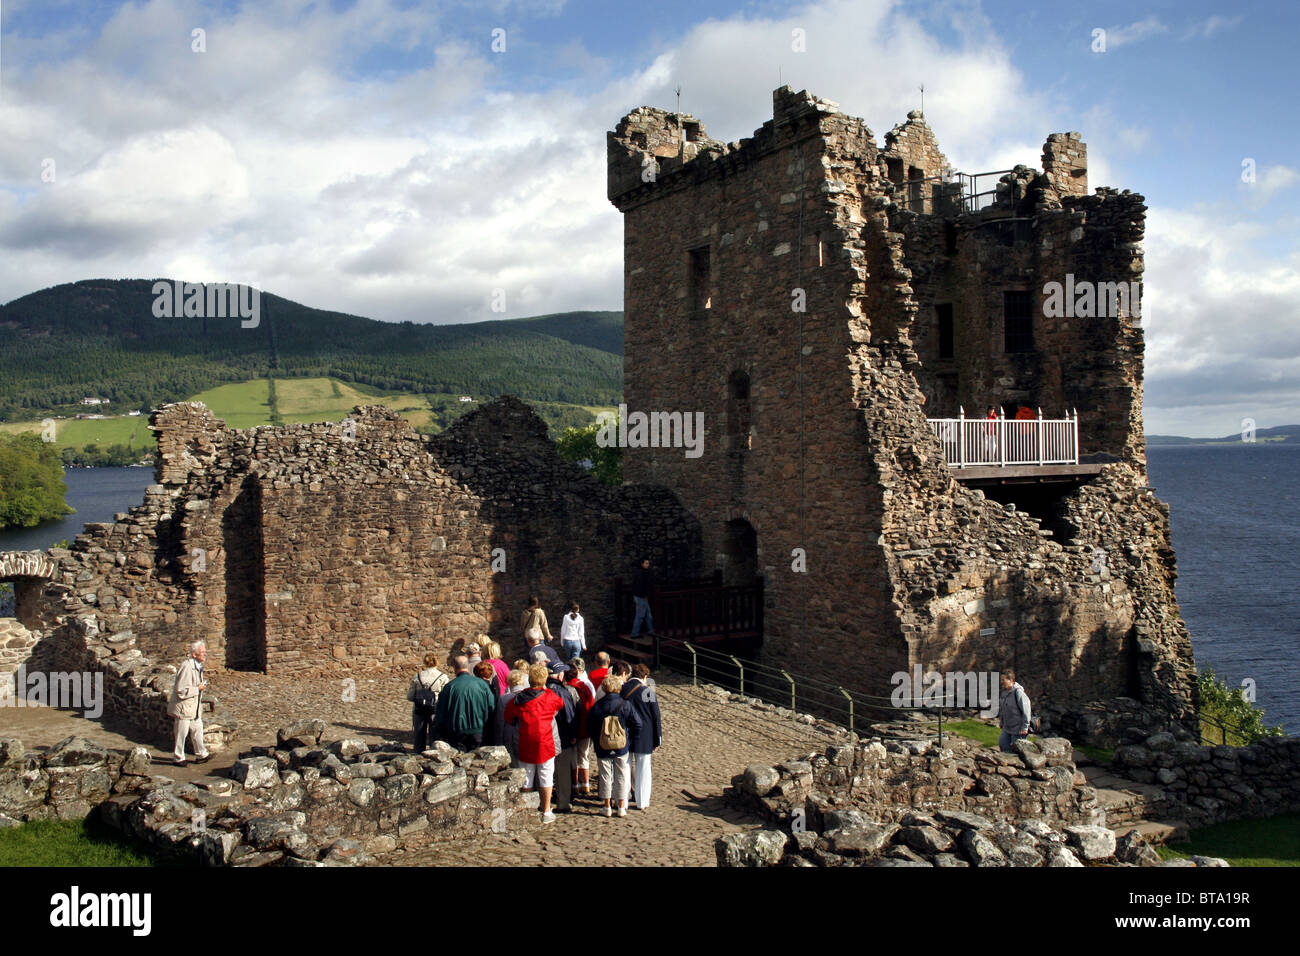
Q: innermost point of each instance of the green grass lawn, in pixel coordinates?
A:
(1274, 841)
(68, 843)
(976, 730)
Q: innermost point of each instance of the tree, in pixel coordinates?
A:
(31, 482)
(579, 445)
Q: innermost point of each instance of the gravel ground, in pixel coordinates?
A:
(707, 740)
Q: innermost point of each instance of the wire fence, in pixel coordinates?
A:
(849, 708)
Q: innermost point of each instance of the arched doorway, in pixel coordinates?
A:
(740, 549)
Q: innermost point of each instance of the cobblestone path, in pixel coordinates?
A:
(707, 740)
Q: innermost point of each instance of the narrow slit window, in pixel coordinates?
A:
(943, 320)
(701, 278)
(1018, 319)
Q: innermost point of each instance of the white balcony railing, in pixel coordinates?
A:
(1008, 441)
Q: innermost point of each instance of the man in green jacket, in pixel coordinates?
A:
(464, 709)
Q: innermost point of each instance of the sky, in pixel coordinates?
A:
(424, 160)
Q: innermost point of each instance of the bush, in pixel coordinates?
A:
(1227, 717)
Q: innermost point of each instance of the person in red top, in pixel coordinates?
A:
(601, 671)
(533, 711)
(582, 753)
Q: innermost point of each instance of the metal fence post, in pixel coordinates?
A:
(1002, 438)
(694, 664)
(791, 680)
(741, 668)
(1040, 435)
(961, 437)
(849, 698)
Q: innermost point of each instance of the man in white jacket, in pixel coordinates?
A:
(185, 703)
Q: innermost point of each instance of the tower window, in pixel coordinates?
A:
(943, 319)
(701, 278)
(1018, 319)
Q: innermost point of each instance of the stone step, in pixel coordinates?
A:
(1155, 831)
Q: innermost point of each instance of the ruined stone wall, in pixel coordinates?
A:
(913, 162)
(340, 547)
(1206, 785)
(302, 802)
(66, 781)
(1065, 163)
(830, 451)
(885, 780)
(1089, 364)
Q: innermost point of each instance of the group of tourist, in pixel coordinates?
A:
(552, 715)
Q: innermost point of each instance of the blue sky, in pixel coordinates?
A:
(379, 157)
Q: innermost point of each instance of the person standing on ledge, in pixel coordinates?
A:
(464, 708)
(643, 589)
(535, 617)
(185, 705)
(1014, 712)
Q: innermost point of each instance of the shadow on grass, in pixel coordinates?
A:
(1274, 841)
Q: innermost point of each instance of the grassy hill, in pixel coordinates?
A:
(100, 338)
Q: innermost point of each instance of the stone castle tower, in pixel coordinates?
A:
(816, 297)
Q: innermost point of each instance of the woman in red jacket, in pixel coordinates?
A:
(533, 711)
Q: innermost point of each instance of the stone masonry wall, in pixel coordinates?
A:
(824, 446)
(304, 803)
(1206, 785)
(886, 779)
(339, 547)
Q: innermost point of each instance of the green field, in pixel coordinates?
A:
(79, 432)
(247, 405)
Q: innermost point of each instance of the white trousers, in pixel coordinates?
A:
(194, 730)
(641, 779)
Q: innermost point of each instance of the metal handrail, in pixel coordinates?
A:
(818, 697)
(1019, 441)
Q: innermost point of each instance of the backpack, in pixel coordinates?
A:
(426, 698)
(612, 735)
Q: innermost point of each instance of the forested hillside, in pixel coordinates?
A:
(100, 338)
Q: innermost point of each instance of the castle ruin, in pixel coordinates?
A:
(816, 297)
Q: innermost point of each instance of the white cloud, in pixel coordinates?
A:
(1204, 29)
(412, 194)
(1222, 324)
(1117, 37)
